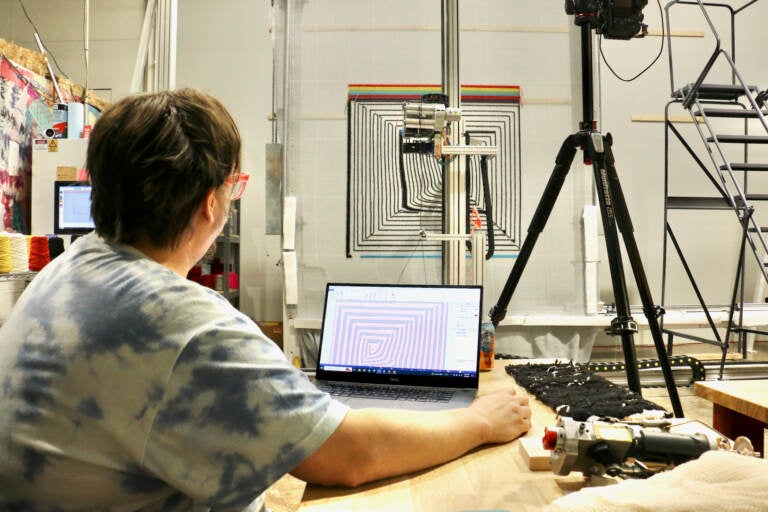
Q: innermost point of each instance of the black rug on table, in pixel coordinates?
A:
(573, 390)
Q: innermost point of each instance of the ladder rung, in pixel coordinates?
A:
(739, 113)
(740, 139)
(714, 91)
(699, 203)
(757, 197)
(745, 167)
(763, 229)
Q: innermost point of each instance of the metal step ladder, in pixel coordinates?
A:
(713, 103)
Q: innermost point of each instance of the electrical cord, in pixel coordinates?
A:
(655, 59)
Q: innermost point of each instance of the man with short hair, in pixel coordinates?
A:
(125, 386)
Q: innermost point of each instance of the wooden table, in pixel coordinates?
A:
(739, 407)
(489, 478)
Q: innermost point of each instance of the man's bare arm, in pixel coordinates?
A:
(371, 444)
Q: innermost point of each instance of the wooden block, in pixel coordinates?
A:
(534, 454)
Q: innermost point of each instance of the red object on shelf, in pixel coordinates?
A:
(208, 280)
(195, 274)
(217, 267)
(39, 253)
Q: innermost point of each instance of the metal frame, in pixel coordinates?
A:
(731, 190)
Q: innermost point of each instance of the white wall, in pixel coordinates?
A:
(711, 238)
(114, 36)
(225, 47)
(338, 42)
(341, 42)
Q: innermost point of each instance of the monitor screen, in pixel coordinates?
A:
(72, 208)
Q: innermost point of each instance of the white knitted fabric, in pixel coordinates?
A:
(717, 481)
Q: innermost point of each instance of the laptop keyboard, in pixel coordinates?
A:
(387, 392)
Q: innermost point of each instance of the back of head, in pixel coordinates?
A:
(152, 159)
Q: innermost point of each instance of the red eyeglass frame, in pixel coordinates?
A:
(235, 181)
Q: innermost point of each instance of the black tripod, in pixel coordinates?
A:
(597, 152)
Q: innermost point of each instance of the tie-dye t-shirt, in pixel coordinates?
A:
(124, 386)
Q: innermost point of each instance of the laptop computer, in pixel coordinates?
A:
(400, 346)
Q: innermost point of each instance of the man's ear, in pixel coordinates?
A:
(208, 208)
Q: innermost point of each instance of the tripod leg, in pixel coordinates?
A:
(624, 224)
(623, 325)
(539, 220)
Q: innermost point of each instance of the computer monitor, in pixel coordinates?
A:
(72, 208)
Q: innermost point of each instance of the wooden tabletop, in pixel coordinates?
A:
(489, 478)
(748, 397)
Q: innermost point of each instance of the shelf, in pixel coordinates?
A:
(228, 252)
(18, 276)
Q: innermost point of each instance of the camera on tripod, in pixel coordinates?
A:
(614, 19)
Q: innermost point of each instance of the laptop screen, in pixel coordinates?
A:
(400, 331)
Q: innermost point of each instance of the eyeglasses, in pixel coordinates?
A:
(237, 181)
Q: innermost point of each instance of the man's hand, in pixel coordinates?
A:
(507, 414)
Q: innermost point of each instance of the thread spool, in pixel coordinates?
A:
(39, 256)
(5, 254)
(55, 246)
(19, 253)
(75, 120)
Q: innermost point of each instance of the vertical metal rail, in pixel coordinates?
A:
(141, 55)
(454, 172)
(173, 30)
(287, 48)
(155, 66)
(160, 44)
(86, 53)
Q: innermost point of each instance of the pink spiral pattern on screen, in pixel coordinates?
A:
(397, 336)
